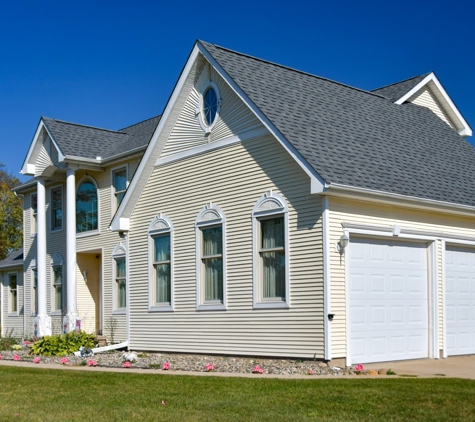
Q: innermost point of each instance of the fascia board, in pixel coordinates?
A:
(351, 192)
(317, 182)
(120, 221)
(465, 129)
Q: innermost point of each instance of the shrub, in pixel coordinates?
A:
(8, 341)
(62, 344)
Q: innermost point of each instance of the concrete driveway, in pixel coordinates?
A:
(454, 366)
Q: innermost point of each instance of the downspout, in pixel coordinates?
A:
(127, 289)
(326, 277)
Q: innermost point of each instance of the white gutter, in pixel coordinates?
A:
(326, 278)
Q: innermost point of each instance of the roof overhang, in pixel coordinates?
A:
(444, 100)
(394, 199)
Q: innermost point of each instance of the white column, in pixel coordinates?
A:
(71, 318)
(42, 320)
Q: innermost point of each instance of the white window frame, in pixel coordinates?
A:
(94, 231)
(199, 111)
(270, 205)
(209, 216)
(33, 215)
(34, 292)
(56, 261)
(57, 229)
(114, 203)
(161, 225)
(119, 252)
(11, 311)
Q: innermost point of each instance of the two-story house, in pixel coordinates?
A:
(268, 212)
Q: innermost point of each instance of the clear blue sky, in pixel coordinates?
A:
(114, 63)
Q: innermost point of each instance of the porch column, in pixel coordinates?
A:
(42, 320)
(71, 317)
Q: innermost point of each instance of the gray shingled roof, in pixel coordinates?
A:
(395, 91)
(15, 259)
(91, 142)
(355, 137)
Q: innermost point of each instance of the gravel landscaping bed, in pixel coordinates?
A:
(194, 363)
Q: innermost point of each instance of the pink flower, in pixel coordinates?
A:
(359, 368)
(1, 357)
(91, 362)
(126, 365)
(64, 361)
(163, 402)
(26, 342)
(310, 372)
(36, 360)
(209, 367)
(166, 366)
(257, 370)
(16, 357)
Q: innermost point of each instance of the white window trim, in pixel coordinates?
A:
(210, 215)
(98, 230)
(160, 225)
(33, 221)
(270, 205)
(33, 269)
(119, 251)
(51, 208)
(57, 261)
(10, 312)
(114, 204)
(199, 111)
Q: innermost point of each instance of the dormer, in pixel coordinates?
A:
(427, 91)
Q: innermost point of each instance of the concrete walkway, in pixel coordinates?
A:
(453, 367)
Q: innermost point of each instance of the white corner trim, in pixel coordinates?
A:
(317, 182)
(466, 130)
(326, 278)
(444, 303)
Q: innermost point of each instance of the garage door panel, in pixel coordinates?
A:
(460, 300)
(388, 313)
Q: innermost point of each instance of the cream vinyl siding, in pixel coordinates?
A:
(350, 211)
(426, 99)
(234, 117)
(234, 178)
(12, 322)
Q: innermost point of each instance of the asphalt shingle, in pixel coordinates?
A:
(15, 259)
(395, 91)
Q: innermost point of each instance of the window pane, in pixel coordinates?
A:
(86, 207)
(272, 233)
(58, 297)
(273, 264)
(58, 288)
(13, 282)
(163, 283)
(210, 106)
(121, 294)
(120, 271)
(120, 180)
(162, 248)
(56, 209)
(35, 290)
(212, 241)
(213, 279)
(34, 203)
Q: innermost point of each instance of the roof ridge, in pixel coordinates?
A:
(296, 70)
(81, 125)
(143, 121)
(424, 75)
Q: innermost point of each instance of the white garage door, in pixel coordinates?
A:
(388, 309)
(460, 301)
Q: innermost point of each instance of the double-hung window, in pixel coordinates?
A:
(57, 283)
(211, 258)
(57, 208)
(13, 296)
(271, 252)
(119, 293)
(161, 264)
(34, 213)
(34, 307)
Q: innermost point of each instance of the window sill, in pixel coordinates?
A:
(119, 312)
(271, 305)
(13, 314)
(87, 234)
(161, 308)
(56, 230)
(55, 313)
(211, 307)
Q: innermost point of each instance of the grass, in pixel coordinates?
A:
(36, 394)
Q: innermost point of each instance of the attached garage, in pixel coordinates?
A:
(388, 312)
(460, 300)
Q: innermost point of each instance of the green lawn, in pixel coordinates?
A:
(61, 395)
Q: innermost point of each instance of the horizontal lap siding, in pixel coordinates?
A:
(426, 99)
(13, 323)
(349, 211)
(234, 178)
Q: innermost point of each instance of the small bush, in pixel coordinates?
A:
(8, 341)
(62, 344)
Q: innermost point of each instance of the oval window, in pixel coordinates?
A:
(210, 106)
